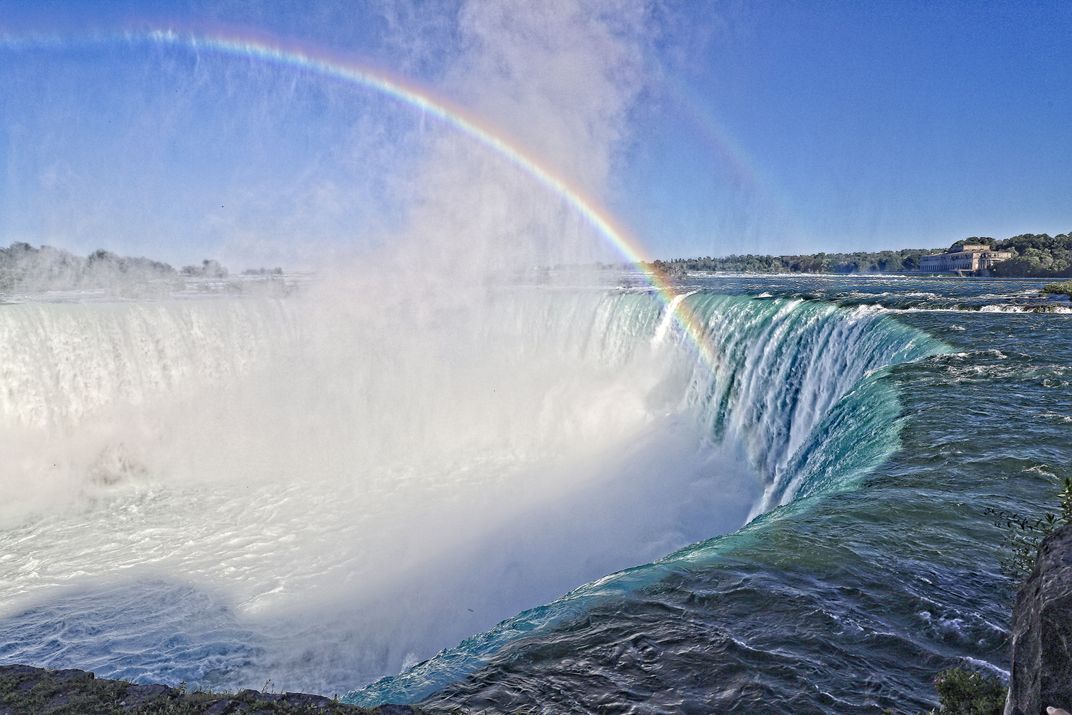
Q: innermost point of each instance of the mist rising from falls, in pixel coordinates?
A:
(333, 476)
(337, 469)
(361, 475)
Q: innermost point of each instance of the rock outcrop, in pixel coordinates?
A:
(1042, 632)
(25, 690)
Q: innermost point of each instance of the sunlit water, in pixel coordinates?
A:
(233, 490)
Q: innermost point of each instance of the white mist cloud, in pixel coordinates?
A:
(558, 80)
(560, 76)
(415, 448)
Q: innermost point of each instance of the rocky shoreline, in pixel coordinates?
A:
(1041, 673)
(25, 690)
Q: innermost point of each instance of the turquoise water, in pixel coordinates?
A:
(880, 566)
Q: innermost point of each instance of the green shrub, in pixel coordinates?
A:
(1024, 534)
(966, 692)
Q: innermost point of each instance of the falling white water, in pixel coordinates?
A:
(667, 318)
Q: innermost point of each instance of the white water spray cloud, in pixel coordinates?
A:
(413, 449)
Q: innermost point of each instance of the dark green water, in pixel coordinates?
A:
(851, 596)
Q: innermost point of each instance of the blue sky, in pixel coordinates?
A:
(770, 127)
(886, 124)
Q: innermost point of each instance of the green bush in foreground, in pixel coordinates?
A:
(966, 692)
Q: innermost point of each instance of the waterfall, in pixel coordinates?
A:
(382, 478)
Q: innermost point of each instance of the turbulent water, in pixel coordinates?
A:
(231, 490)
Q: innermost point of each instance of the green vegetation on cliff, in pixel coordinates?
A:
(1022, 534)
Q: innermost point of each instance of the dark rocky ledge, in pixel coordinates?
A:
(1042, 632)
(25, 690)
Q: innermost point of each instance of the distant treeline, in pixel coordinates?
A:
(25, 268)
(1037, 255)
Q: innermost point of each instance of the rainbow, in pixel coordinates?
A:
(276, 51)
(714, 134)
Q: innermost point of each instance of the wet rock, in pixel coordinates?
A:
(222, 707)
(1042, 632)
(72, 676)
(25, 690)
(144, 695)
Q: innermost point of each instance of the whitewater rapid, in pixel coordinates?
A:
(223, 491)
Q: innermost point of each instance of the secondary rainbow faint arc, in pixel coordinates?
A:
(319, 62)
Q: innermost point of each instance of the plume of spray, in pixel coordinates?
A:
(412, 449)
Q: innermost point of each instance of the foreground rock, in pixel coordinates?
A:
(1042, 632)
(29, 691)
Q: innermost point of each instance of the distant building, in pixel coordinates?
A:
(973, 258)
